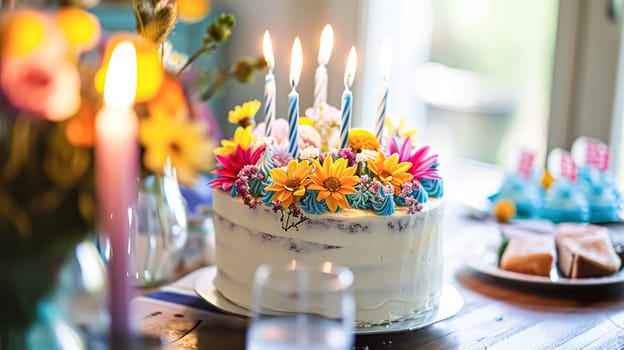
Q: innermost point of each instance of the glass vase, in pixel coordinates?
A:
(159, 231)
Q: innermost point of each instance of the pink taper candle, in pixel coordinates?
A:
(117, 152)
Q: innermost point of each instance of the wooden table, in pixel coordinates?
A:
(503, 315)
(496, 314)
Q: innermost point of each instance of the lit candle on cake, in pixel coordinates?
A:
(116, 173)
(296, 61)
(269, 86)
(320, 78)
(385, 61)
(347, 98)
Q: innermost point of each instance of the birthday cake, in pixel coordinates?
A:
(375, 210)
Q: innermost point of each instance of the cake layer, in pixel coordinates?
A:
(396, 260)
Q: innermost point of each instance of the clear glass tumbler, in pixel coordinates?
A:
(302, 306)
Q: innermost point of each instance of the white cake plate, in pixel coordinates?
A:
(450, 304)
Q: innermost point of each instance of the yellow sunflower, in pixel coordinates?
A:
(390, 171)
(245, 113)
(360, 139)
(242, 137)
(333, 181)
(183, 141)
(290, 184)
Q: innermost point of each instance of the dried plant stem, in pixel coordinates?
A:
(137, 14)
(221, 78)
(204, 49)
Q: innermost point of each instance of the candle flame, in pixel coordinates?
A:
(296, 61)
(385, 58)
(327, 44)
(267, 48)
(120, 83)
(351, 67)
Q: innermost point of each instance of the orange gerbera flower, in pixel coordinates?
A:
(390, 171)
(290, 184)
(333, 181)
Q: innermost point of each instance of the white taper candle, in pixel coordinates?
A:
(320, 77)
(117, 168)
(385, 61)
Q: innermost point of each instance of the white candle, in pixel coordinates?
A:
(320, 78)
(347, 98)
(116, 159)
(296, 61)
(269, 86)
(385, 61)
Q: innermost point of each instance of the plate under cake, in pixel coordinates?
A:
(396, 259)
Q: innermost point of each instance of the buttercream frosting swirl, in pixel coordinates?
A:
(433, 187)
(311, 205)
(384, 205)
(361, 199)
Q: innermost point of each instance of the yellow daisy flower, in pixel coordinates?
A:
(400, 129)
(242, 137)
(245, 113)
(290, 185)
(360, 139)
(333, 181)
(183, 141)
(390, 171)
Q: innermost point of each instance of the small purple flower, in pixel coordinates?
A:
(348, 155)
(281, 156)
(388, 189)
(375, 186)
(277, 206)
(364, 179)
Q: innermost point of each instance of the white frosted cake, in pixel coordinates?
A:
(376, 211)
(396, 260)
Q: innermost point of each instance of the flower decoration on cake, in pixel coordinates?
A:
(322, 180)
(290, 185)
(333, 180)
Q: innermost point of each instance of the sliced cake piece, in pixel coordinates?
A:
(529, 253)
(585, 251)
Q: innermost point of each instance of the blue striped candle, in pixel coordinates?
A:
(293, 123)
(269, 104)
(296, 61)
(347, 98)
(269, 86)
(381, 112)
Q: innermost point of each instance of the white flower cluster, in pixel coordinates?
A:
(365, 154)
(309, 153)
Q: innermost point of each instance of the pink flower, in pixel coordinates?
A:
(308, 137)
(42, 82)
(281, 156)
(231, 165)
(421, 164)
(280, 131)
